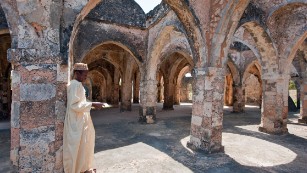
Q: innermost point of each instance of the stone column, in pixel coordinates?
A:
(38, 111)
(207, 110)
(148, 104)
(160, 94)
(303, 109)
(136, 90)
(169, 87)
(238, 99)
(115, 97)
(274, 111)
(126, 93)
(109, 93)
(177, 94)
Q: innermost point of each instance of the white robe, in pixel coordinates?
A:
(79, 132)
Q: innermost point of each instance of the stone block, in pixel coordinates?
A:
(37, 92)
(14, 156)
(194, 141)
(15, 138)
(36, 114)
(208, 109)
(197, 109)
(15, 78)
(59, 161)
(15, 93)
(150, 110)
(150, 119)
(60, 110)
(41, 135)
(15, 114)
(61, 92)
(207, 122)
(196, 120)
(41, 73)
(62, 73)
(59, 127)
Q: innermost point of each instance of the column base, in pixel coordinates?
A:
(211, 150)
(125, 108)
(303, 120)
(236, 111)
(168, 108)
(149, 116)
(278, 131)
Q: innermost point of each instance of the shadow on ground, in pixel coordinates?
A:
(124, 145)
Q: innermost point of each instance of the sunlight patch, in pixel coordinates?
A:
(251, 151)
(137, 157)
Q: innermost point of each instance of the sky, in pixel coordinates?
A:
(148, 5)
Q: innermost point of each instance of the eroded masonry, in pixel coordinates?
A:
(237, 52)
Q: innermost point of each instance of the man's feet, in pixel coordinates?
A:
(90, 171)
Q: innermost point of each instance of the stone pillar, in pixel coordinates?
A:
(274, 111)
(238, 99)
(169, 88)
(177, 94)
(148, 104)
(160, 93)
(115, 97)
(136, 91)
(207, 110)
(38, 111)
(109, 93)
(126, 93)
(303, 109)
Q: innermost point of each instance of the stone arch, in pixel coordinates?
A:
(11, 16)
(165, 47)
(254, 63)
(193, 31)
(257, 74)
(265, 45)
(90, 14)
(178, 91)
(288, 27)
(103, 41)
(234, 71)
(225, 29)
(250, 46)
(102, 84)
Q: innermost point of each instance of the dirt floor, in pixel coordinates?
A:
(124, 145)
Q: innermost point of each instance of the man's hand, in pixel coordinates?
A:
(97, 105)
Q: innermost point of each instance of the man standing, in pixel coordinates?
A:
(79, 132)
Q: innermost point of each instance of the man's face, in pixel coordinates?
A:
(81, 76)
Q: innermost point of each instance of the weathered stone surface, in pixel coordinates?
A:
(47, 37)
(60, 110)
(126, 12)
(37, 92)
(36, 114)
(15, 114)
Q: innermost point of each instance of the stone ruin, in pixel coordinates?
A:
(237, 52)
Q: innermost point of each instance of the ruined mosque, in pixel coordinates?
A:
(224, 58)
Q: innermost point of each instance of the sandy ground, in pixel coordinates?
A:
(124, 145)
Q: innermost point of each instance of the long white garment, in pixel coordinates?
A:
(79, 132)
